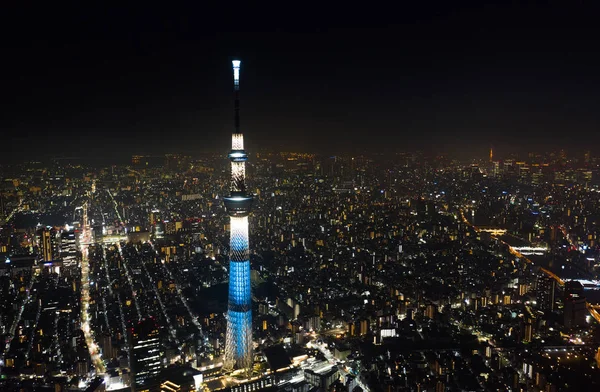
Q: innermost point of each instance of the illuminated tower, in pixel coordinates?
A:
(238, 345)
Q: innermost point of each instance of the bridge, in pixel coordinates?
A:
(495, 231)
(114, 239)
(531, 250)
(594, 311)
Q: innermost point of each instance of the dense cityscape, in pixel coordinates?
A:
(401, 272)
(300, 199)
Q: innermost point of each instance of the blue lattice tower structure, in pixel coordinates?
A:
(238, 344)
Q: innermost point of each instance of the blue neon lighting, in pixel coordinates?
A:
(238, 243)
(241, 323)
(239, 283)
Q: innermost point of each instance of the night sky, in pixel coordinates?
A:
(111, 82)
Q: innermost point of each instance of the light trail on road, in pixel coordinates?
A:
(17, 320)
(110, 290)
(18, 208)
(85, 300)
(331, 359)
(115, 205)
(35, 324)
(563, 229)
(594, 311)
(56, 342)
(123, 323)
(105, 313)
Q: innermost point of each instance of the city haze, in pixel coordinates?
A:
(119, 81)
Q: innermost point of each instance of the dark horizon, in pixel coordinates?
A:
(121, 81)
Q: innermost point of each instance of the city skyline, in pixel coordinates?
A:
(410, 204)
(399, 270)
(467, 76)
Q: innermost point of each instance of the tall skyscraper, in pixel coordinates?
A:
(47, 243)
(68, 248)
(146, 353)
(546, 289)
(238, 344)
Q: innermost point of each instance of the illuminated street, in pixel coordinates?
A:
(329, 202)
(17, 320)
(99, 365)
(329, 356)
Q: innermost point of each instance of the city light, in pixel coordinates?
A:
(238, 344)
(388, 269)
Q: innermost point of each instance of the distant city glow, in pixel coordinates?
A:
(396, 269)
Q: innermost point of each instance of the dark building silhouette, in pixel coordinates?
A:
(147, 353)
(546, 289)
(575, 308)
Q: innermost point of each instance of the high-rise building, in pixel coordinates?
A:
(47, 243)
(575, 311)
(528, 332)
(575, 305)
(108, 351)
(546, 289)
(238, 344)
(68, 248)
(146, 353)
